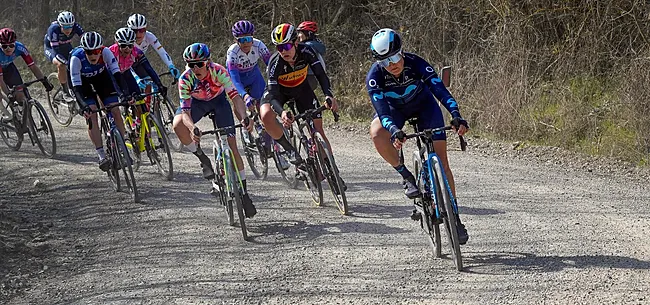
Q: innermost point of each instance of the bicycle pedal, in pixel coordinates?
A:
(416, 216)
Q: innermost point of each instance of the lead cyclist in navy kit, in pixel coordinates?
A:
(402, 86)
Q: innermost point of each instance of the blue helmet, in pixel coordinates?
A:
(196, 52)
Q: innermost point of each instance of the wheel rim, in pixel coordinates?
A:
(43, 131)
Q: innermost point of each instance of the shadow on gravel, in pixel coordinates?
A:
(478, 211)
(296, 231)
(519, 261)
(371, 210)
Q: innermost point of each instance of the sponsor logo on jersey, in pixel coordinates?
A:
(294, 78)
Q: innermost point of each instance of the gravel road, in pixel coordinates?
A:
(540, 233)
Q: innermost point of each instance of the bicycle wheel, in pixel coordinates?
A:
(237, 195)
(42, 129)
(9, 131)
(132, 142)
(164, 112)
(288, 175)
(428, 222)
(254, 152)
(449, 216)
(111, 152)
(331, 172)
(158, 148)
(219, 185)
(62, 111)
(314, 174)
(125, 164)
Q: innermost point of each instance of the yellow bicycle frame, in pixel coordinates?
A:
(144, 129)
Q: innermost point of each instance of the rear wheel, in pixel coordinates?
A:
(42, 129)
(158, 148)
(164, 111)
(62, 110)
(9, 131)
(331, 172)
(254, 152)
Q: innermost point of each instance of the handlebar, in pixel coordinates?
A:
(313, 112)
(106, 108)
(24, 85)
(428, 133)
(222, 130)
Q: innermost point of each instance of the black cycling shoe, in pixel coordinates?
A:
(415, 215)
(249, 207)
(105, 164)
(411, 188)
(463, 237)
(294, 158)
(206, 165)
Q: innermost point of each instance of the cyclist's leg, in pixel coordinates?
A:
(12, 78)
(307, 100)
(183, 127)
(106, 91)
(94, 133)
(256, 90)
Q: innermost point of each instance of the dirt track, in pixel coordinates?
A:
(539, 233)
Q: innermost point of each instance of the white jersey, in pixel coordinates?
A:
(236, 59)
(151, 40)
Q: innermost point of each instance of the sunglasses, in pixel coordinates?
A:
(245, 39)
(93, 52)
(140, 30)
(199, 64)
(67, 26)
(126, 46)
(392, 59)
(9, 46)
(284, 47)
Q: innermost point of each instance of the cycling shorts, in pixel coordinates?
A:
(219, 105)
(303, 95)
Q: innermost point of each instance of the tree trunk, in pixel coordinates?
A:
(45, 13)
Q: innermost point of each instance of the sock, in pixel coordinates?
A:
(101, 153)
(191, 147)
(402, 170)
(285, 143)
(242, 174)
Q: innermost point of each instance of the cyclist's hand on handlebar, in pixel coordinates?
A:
(248, 124)
(249, 102)
(287, 119)
(162, 89)
(86, 112)
(460, 125)
(48, 86)
(331, 103)
(196, 134)
(399, 137)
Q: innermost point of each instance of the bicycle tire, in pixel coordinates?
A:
(237, 196)
(251, 152)
(429, 218)
(126, 165)
(278, 151)
(133, 146)
(111, 152)
(312, 181)
(223, 189)
(61, 110)
(166, 171)
(331, 172)
(163, 105)
(45, 126)
(449, 217)
(8, 130)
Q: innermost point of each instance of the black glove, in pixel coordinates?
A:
(124, 98)
(47, 85)
(162, 89)
(457, 121)
(137, 96)
(84, 109)
(398, 134)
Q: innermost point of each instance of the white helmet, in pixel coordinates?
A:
(65, 18)
(136, 22)
(385, 43)
(125, 36)
(91, 41)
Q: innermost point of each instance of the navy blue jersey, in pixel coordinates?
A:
(81, 68)
(417, 81)
(58, 42)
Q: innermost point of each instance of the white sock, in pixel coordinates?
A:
(101, 153)
(191, 147)
(242, 174)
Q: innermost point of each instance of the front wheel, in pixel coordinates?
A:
(280, 158)
(124, 161)
(428, 221)
(237, 195)
(41, 127)
(331, 172)
(449, 218)
(158, 148)
(219, 188)
(254, 152)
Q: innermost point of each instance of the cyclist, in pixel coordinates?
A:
(58, 44)
(307, 35)
(144, 39)
(401, 86)
(202, 88)
(94, 73)
(9, 75)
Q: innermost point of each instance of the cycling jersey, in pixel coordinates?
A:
(282, 75)
(216, 82)
(134, 60)
(151, 40)
(243, 67)
(58, 43)
(417, 83)
(20, 50)
(81, 67)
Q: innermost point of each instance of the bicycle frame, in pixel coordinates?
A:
(220, 143)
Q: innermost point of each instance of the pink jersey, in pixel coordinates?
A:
(216, 82)
(126, 62)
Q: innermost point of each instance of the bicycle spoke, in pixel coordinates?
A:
(42, 128)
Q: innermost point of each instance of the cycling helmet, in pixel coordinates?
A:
(385, 43)
(136, 22)
(125, 36)
(7, 36)
(283, 33)
(196, 52)
(243, 28)
(65, 18)
(91, 41)
(309, 26)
